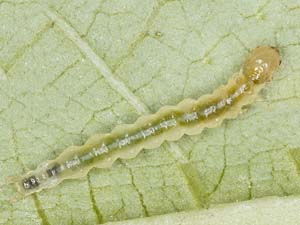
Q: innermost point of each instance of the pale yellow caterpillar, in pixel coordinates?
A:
(150, 131)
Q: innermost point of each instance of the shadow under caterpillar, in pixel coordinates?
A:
(150, 131)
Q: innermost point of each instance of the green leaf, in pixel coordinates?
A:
(70, 69)
(262, 211)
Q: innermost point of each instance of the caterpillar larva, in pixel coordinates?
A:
(149, 131)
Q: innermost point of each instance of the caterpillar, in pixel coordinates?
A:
(150, 131)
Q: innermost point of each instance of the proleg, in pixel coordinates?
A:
(150, 131)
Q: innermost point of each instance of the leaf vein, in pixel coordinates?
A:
(112, 79)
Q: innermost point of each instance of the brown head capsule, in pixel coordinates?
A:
(261, 64)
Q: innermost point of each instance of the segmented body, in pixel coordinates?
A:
(169, 123)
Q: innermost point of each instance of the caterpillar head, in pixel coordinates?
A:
(261, 64)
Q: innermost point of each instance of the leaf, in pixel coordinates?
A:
(282, 211)
(70, 69)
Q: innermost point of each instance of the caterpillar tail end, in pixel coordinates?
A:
(23, 185)
(16, 181)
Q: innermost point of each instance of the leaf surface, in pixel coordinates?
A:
(70, 69)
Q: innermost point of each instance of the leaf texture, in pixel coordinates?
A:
(70, 69)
